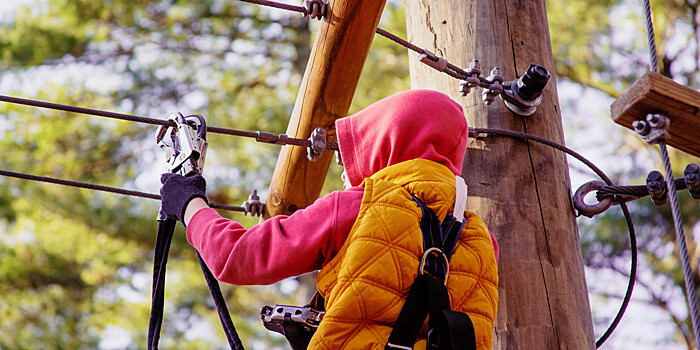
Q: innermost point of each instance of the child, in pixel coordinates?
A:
(366, 240)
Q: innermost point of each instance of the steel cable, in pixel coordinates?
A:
(474, 132)
(673, 197)
(146, 120)
(102, 188)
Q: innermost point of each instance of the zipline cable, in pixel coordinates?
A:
(475, 132)
(673, 198)
(102, 188)
(154, 121)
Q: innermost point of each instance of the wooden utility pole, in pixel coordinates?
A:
(326, 92)
(520, 189)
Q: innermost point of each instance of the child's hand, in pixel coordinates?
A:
(177, 191)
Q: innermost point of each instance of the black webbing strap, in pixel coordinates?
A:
(428, 294)
(295, 333)
(163, 240)
(160, 259)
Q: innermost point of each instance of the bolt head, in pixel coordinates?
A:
(655, 176)
(641, 127)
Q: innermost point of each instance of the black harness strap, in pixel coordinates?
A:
(163, 240)
(428, 295)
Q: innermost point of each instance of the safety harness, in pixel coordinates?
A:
(185, 145)
(428, 295)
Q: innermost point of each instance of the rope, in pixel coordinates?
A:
(673, 197)
(102, 188)
(146, 120)
(474, 132)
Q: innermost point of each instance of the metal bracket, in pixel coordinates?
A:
(653, 129)
(656, 186)
(523, 95)
(318, 144)
(253, 206)
(691, 176)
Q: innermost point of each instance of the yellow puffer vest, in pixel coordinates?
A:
(365, 285)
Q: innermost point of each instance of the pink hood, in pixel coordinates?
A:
(412, 124)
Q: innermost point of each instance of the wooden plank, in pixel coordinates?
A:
(326, 92)
(654, 93)
(520, 189)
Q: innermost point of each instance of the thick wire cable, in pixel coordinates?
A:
(146, 120)
(673, 198)
(474, 132)
(102, 188)
(682, 247)
(633, 192)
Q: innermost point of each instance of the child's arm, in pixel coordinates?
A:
(278, 248)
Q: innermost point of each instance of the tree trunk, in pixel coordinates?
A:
(521, 189)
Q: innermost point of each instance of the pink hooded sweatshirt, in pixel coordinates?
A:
(413, 124)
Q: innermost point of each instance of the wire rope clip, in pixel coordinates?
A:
(253, 206)
(691, 176)
(472, 80)
(589, 210)
(316, 8)
(653, 129)
(495, 86)
(433, 60)
(523, 95)
(318, 144)
(656, 186)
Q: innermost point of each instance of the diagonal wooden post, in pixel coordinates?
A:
(326, 92)
(522, 190)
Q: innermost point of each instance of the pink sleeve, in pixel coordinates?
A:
(280, 247)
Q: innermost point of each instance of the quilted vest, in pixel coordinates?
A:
(365, 285)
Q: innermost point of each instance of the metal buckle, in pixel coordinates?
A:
(436, 251)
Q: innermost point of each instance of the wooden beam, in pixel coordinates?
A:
(654, 93)
(326, 92)
(520, 189)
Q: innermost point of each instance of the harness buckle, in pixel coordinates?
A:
(436, 251)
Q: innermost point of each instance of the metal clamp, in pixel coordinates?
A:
(589, 210)
(433, 60)
(472, 79)
(495, 87)
(653, 129)
(691, 176)
(253, 205)
(318, 144)
(436, 251)
(656, 186)
(316, 8)
(273, 317)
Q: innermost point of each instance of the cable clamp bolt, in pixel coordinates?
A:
(315, 8)
(318, 144)
(523, 95)
(656, 186)
(472, 79)
(495, 87)
(653, 129)
(253, 206)
(433, 60)
(691, 176)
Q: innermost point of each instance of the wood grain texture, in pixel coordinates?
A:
(520, 189)
(326, 92)
(654, 93)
